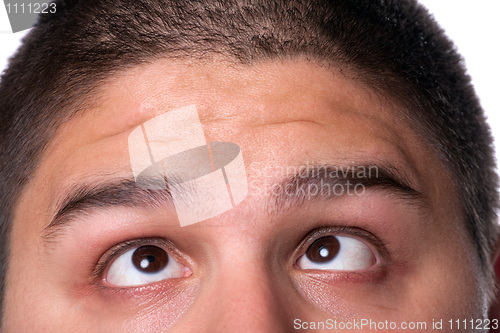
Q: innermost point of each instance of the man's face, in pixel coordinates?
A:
(394, 248)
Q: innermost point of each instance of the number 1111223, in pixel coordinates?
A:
(31, 8)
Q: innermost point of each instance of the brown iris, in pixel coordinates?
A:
(149, 259)
(323, 249)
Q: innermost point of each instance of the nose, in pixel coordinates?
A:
(250, 303)
(244, 298)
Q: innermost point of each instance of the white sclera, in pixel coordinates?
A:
(353, 255)
(123, 272)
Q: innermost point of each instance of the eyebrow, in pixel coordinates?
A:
(124, 192)
(329, 181)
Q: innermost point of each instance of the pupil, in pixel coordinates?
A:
(323, 249)
(149, 259)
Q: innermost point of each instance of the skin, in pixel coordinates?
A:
(242, 273)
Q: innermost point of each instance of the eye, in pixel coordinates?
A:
(144, 265)
(337, 253)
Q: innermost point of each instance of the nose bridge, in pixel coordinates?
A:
(250, 299)
(242, 293)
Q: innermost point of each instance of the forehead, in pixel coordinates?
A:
(279, 113)
(232, 99)
(236, 94)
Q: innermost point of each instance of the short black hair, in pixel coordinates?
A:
(393, 46)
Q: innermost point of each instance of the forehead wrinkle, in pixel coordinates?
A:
(390, 128)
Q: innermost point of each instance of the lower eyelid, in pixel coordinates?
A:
(165, 291)
(375, 274)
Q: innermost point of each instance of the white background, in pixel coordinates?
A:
(473, 25)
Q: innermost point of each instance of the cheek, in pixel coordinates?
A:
(38, 308)
(152, 308)
(155, 310)
(430, 292)
(352, 296)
